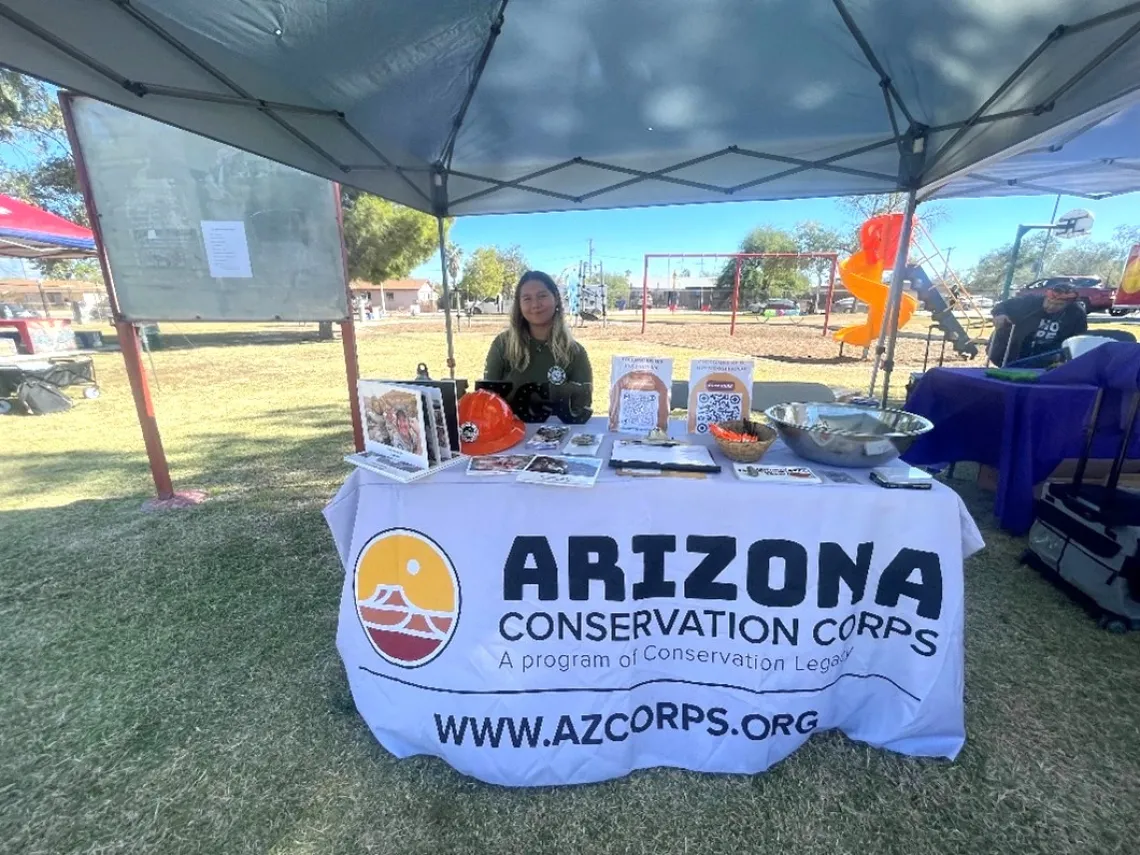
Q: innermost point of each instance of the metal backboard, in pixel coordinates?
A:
(197, 230)
(1075, 223)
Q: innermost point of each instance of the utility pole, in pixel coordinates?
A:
(590, 266)
(602, 279)
(946, 269)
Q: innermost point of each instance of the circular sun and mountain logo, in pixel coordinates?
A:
(407, 596)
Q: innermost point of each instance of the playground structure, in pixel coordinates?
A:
(954, 318)
(952, 309)
(739, 257)
(862, 273)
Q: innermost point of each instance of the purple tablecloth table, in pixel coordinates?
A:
(1022, 429)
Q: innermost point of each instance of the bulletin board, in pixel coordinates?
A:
(195, 230)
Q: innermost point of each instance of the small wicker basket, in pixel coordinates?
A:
(746, 452)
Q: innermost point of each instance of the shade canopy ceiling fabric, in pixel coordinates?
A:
(483, 106)
(1091, 159)
(29, 232)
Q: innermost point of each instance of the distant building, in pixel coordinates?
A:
(684, 292)
(397, 295)
(59, 294)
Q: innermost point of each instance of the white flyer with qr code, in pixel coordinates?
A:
(720, 390)
(639, 393)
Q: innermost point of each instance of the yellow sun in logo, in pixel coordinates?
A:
(407, 596)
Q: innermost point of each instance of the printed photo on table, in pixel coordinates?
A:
(500, 464)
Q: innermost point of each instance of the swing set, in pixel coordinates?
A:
(739, 258)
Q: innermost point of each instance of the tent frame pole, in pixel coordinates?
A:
(476, 76)
(348, 331)
(888, 335)
(128, 334)
(447, 292)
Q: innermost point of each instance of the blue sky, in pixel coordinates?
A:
(552, 242)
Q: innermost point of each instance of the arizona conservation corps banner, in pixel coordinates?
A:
(538, 636)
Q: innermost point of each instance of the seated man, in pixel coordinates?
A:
(1039, 323)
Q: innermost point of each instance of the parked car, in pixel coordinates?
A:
(848, 304)
(1092, 293)
(774, 304)
(484, 307)
(12, 311)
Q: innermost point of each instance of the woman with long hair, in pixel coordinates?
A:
(537, 347)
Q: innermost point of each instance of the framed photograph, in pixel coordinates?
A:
(395, 424)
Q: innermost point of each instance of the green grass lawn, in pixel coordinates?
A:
(171, 685)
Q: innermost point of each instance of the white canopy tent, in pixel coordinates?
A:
(487, 106)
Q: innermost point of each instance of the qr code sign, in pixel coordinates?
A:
(638, 410)
(713, 407)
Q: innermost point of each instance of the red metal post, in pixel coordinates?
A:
(352, 371)
(128, 335)
(348, 333)
(131, 347)
(830, 295)
(644, 293)
(735, 298)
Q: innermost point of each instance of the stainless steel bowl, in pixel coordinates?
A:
(846, 435)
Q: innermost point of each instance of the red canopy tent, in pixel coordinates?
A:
(29, 232)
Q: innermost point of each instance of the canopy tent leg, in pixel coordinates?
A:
(348, 332)
(888, 335)
(446, 299)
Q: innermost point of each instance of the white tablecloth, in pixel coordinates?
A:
(535, 635)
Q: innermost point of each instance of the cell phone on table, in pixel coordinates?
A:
(902, 478)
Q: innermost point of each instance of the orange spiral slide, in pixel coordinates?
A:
(862, 273)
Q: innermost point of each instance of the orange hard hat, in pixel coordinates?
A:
(487, 424)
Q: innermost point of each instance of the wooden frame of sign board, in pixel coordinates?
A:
(131, 346)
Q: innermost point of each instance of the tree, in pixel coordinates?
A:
(84, 269)
(761, 278)
(1058, 257)
(385, 240)
(491, 271)
(1098, 258)
(514, 266)
(988, 275)
(454, 256)
(1124, 238)
(811, 236)
(37, 164)
(617, 288)
(484, 275)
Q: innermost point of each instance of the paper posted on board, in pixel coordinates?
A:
(227, 251)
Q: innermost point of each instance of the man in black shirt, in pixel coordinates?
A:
(1039, 323)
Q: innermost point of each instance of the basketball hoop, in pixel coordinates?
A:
(1075, 223)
